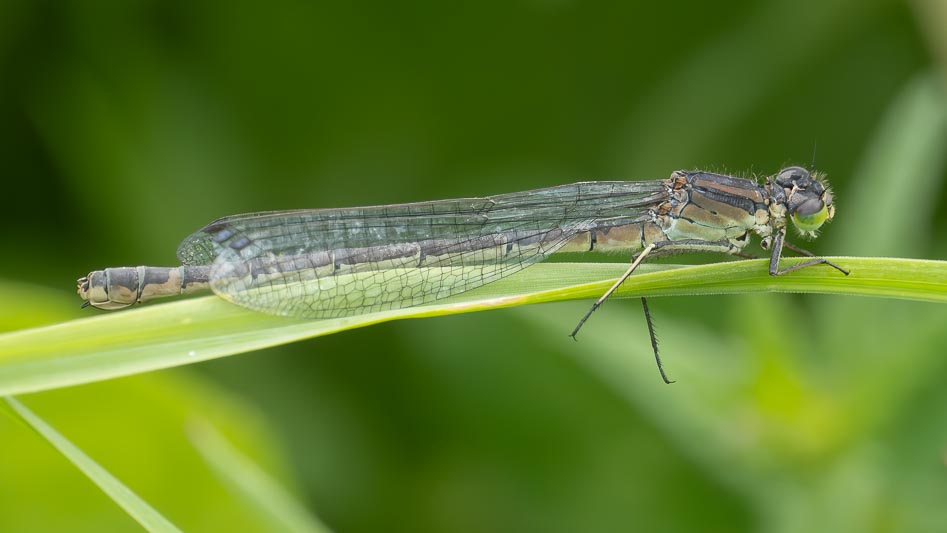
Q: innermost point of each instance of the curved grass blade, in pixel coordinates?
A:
(184, 332)
(137, 508)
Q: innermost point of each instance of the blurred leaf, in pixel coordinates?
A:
(772, 414)
(138, 508)
(897, 186)
(932, 18)
(729, 75)
(529, 407)
(247, 480)
(194, 330)
(893, 200)
(136, 428)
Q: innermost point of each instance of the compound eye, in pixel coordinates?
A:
(787, 177)
(810, 215)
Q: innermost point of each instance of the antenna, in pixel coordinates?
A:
(812, 164)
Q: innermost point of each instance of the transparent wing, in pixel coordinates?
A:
(338, 262)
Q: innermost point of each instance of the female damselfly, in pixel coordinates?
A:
(321, 263)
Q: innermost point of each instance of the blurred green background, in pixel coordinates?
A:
(126, 125)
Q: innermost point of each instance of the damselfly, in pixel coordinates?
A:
(320, 263)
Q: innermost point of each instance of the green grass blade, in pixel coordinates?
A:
(179, 333)
(143, 513)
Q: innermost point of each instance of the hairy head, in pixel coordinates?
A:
(808, 198)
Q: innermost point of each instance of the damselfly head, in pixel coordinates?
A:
(808, 199)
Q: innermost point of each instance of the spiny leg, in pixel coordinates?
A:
(780, 241)
(644, 304)
(654, 341)
(685, 245)
(805, 252)
(634, 265)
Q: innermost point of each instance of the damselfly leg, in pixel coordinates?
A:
(779, 241)
(634, 265)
